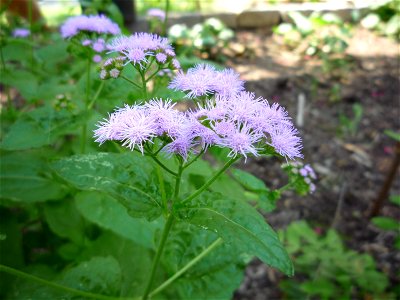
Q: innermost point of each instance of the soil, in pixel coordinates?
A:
(351, 168)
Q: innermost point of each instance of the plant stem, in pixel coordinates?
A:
(211, 180)
(194, 159)
(162, 165)
(131, 81)
(54, 285)
(144, 86)
(164, 33)
(186, 267)
(167, 228)
(162, 189)
(90, 106)
(84, 127)
(160, 249)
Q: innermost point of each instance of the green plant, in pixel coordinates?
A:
(327, 269)
(390, 224)
(349, 126)
(206, 40)
(384, 17)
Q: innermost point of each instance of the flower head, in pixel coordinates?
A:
(138, 47)
(21, 32)
(204, 79)
(156, 13)
(99, 24)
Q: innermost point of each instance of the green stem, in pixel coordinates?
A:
(194, 159)
(186, 267)
(131, 81)
(162, 189)
(160, 249)
(166, 18)
(152, 75)
(211, 180)
(162, 165)
(144, 86)
(164, 236)
(90, 106)
(54, 285)
(84, 127)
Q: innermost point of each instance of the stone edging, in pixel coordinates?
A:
(265, 16)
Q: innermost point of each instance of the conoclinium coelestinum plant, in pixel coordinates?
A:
(225, 116)
(194, 240)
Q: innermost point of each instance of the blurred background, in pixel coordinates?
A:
(335, 66)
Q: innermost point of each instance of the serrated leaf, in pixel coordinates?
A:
(133, 259)
(386, 223)
(108, 213)
(126, 176)
(25, 178)
(64, 219)
(40, 127)
(101, 275)
(239, 224)
(216, 276)
(249, 181)
(25, 82)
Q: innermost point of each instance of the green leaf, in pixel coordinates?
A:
(239, 224)
(395, 199)
(392, 134)
(386, 223)
(16, 50)
(108, 213)
(133, 259)
(40, 127)
(249, 181)
(25, 177)
(128, 177)
(216, 276)
(101, 275)
(64, 220)
(25, 82)
(320, 286)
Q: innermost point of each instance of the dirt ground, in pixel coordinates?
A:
(351, 168)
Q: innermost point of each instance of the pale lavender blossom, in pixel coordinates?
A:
(98, 24)
(99, 45)
(137, 48)
(114, 73)
(204, 79)
(242, 141)
(161, 57)
(285, 141)
(156, 13)
(86, 42)
(97, 58)
(21, 32)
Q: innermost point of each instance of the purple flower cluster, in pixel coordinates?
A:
(204, 80)
(98, 24)
(139, 47)
(21, 32)
(306, 172)
(156, 13)
(240, 123)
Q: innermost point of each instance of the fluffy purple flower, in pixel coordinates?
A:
(156, 13)
(21, 32)
(285, 141)
(242, 141)
(228, 83)
(99, 24)
(199, 81)
(138, 47)
(99, 45)
(204, 79)
(97, 58)
(161, 57)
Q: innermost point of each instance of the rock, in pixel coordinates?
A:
(254, 19)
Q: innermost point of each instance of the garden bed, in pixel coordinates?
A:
(351, 169)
